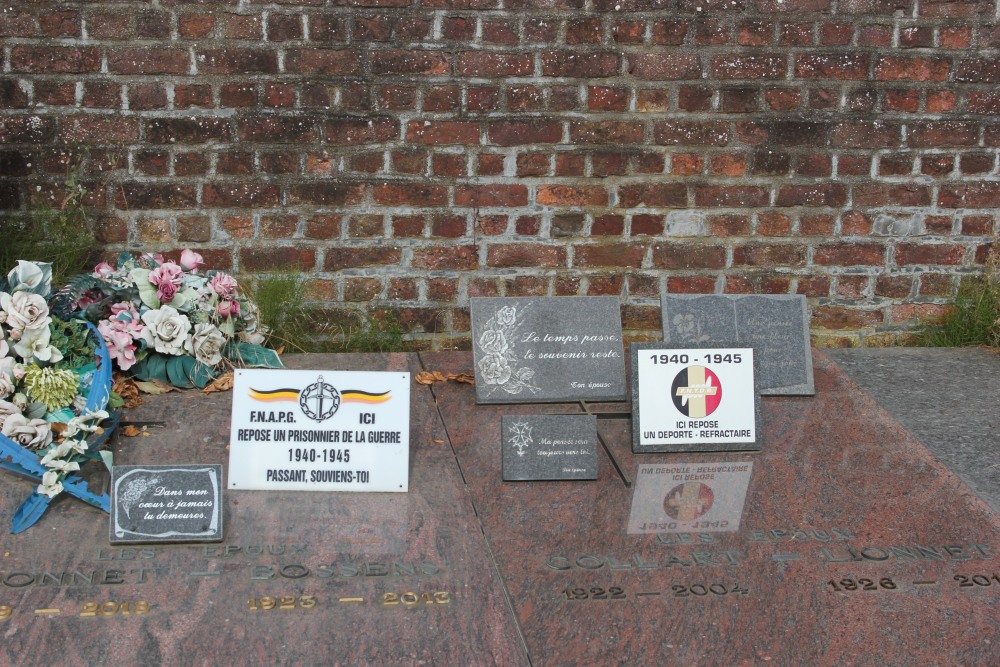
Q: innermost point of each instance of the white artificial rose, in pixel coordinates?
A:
(4, 346)
(62, 465)
(169, 329)
(206, 344)
(6, 410)
(25, 311)
(30, 433)
(7, 386)
(33, 277)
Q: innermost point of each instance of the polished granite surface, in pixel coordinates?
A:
(844, 541)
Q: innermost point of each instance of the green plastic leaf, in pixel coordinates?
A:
(186, 372)
(185, 300)
(255, 356)
(153, 367)
(147, 291)
(228, 326)
(108, 458)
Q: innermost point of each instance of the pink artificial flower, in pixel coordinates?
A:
(167, 278)
(229, 308)
(224, 285)
(191, 260)
(121, 345)
(103, 270)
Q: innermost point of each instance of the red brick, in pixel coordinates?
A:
(664, 67)
(835, 317)
(494, 64)
(606, 132)
(527, 255)
(55, 59)
(973, 195)
(615, 254)
(653, 195)
(679, 256)
(580, 64)
(866, 134)
(442, 257)
(583, 31)
(94, 129)
(405, 61)
(603, 98)
(283, 130)
(925, 312)
(911, 69)
(978, 70)
(491, 195)
(355, 131)
(270, 259)
(760, 254)
(517, 133)
(60, 24)
(148, 61)
(672, 133)
(442, 132)
(710, 32)
(691, 284)
(236, 61)
(849, 254)
(195, 26)
(813, 286)
(754, 67)
(153, 25)
(499, 32)
(448, 164)
(937, 284)
(608, 225)
(956, 37)
(605, 164)
(924, 253)
(240, 195)
(353, 257)
(629, 32)
(946, 133)
(533, 164)
(831, 66)
(398, 194)
(137, 196)
(326, 194)
(565, 195)
(323, 61)
(730, 196)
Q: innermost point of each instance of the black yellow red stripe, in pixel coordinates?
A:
(274, 395)
(358, 396)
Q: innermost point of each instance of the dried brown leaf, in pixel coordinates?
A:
(222, 383)
(155, 387)
(125, 387)
(464, 378)
(130, 431)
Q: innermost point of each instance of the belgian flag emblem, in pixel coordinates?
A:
(696, 392)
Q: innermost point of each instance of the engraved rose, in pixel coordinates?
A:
(169, 329)
(494, 369)
(506, 316)
(206, 344)
(30, 433)
(493, 342)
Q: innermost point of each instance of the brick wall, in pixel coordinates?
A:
(410, 154)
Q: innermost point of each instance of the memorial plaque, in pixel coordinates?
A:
(320, 430)
(777, 325)
(548, 349)
(152, 504)
(690, 497)
(695, 398)
(549, 447)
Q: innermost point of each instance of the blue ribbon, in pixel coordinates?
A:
(17, 459)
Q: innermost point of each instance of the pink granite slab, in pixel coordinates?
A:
(346, 550)
(840, 493)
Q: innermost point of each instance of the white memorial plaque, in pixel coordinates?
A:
(320, 430)
(693, 398)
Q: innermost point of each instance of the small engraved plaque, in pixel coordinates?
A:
(539, 447)
(179, 503)
(776, 325)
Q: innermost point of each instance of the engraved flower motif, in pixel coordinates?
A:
(495, 369)
(493, 341)
(507, 316)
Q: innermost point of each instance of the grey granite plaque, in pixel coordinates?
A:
(548, 349)
(549, 447)
(776, 325)
(168, 503)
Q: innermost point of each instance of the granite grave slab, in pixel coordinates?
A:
(548, 349)
(776, 324)
(854, 545)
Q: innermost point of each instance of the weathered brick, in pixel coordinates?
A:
(240, 195)
(55, 59)
(769, 255)
(510, 255)
(658, 195)
(493, 64)
(730, 196)
(911, 69)
(351, 257)
(755, 67)
(973, 195)
(404, 61)
(331, 62)
(566, 195)
(831, 66)
(148, 61)
(710, 133)
(947, 133)
(236, 61)
(927, 253)
(837, 317)
(285, 130)
(580, 64)
(137, 196)
(688, 256)
(850, 254)
(279, 258)
(606, 132)
(443, 257)
(491, 195)
(614, 254)
(521, 132)
(186, 130)
(413, 194)
(820, 194)
(442, 132)
(663, 67)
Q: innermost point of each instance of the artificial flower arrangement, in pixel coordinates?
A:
(150, 318)
(169, 321)
(55, 384)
